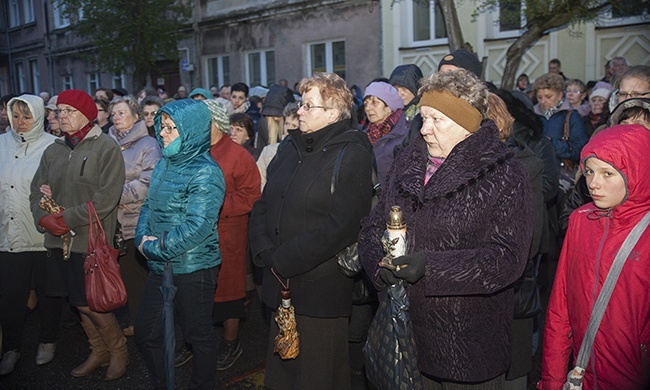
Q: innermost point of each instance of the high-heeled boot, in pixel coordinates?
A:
(116, 346)
(99, 356)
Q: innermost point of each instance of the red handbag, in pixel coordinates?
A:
(105, 289)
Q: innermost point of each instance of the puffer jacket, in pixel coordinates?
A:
(93, 170)
(20, 154)
(620, 358)
(186, 193)
(473, 221)
(141, 154)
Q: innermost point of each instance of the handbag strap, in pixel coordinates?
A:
(337, 167)
(567, 127)
(95, 228)
(605, 294)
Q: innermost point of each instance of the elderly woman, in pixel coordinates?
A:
(575, 97)
(178, 227)
(616, 166)
(467, 204)
(84, 166)
(21, 246)
(553, 113)
(300, 224)
(242, 190)
(599, 112)
(141, 154)
(242, 131)
(387, 128)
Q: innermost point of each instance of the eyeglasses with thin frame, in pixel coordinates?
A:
(168, 129)
(66, 111)
(306, 106)
(630, 95)
(573, 91)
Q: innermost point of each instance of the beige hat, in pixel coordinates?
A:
(51, 104)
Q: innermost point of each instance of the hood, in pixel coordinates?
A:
(407, 76)
(625, 147)
(276, 99)
(615, 118)
(37, 108)
(192, 118)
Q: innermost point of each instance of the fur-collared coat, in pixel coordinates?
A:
(473, 220)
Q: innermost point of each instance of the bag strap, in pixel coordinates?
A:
(95, 228)
(567, 128)
(337, 167)
(605, 294)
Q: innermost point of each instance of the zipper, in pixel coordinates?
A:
(83, 165)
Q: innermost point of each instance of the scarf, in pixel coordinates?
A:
(549, 113)
(120, 135)
(432, 166)
(73, 139)
(377, 130)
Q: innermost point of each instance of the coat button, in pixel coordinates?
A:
(309, 149)
(309, 140)
(277, 232)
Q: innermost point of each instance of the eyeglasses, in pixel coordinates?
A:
(630, 95)
(149, 114)
(168, 129)
(307, 106)
(66, 111)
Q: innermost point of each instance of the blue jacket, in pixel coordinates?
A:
(578, 137)
(186, 193)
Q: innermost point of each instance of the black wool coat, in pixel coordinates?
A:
(305, 224)
(473, 221)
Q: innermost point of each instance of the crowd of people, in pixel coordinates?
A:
(239, 191)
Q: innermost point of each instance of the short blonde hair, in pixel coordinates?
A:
(498, 112)
(130, 101)
(462, 84)
(333, 90)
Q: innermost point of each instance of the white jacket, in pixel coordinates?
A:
(20, 155)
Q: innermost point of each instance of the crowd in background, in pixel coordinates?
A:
(249, 191)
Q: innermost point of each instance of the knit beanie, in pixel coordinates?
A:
(219, 115)
(387, 93)
(461, 58)
(601, 89)
(79, 100)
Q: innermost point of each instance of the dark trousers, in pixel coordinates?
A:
(16, 271)
(133, 267)
(193, 311)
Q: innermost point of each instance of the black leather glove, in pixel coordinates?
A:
(410, 267)
(387, 276)
(265, 258)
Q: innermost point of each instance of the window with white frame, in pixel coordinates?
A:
(58, 13)
(260, 68)
(20, 77)
(218, 70)
(34, 76)
(427, 22)
(118, 81)
(68, 82)
(93, 82)
(507, 19)
(14, 13)
(28, 7)
(328, 56)
(625, 12)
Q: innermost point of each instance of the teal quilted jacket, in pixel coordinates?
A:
(185, 196)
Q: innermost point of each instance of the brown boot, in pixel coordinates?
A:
(116, 345)
(99, 355)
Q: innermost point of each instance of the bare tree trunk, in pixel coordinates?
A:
(454, 32)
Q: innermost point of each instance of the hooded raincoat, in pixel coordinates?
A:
(186, 193)
(620, 358)
(20, 154)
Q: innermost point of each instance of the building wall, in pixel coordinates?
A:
(236, 28)
(583, 49)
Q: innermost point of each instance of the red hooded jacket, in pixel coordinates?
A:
(620, 358)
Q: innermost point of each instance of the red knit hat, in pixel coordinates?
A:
(79, 100)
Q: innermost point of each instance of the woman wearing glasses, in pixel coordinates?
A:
(149, 106)
(86, 165)
(178, 226)
(302, 221)
(141, 154)
(633, 83)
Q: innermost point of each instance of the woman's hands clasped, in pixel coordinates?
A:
(409, 268)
